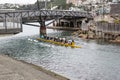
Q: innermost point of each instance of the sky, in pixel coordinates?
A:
(18, 1)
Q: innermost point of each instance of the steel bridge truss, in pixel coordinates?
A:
(14, 19)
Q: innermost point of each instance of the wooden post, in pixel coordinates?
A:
(13, 20)
(59, 22)
(5, 22)
(75, 23)
(21, 22)
(18, 22)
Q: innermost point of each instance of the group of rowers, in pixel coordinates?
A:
(61, 40)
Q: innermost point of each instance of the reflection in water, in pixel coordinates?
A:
(94, 61)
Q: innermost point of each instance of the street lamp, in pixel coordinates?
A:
(38, 5)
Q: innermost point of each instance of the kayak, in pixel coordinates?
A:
(58, 43)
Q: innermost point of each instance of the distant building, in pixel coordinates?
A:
(75, 2)
(71, 1)
(115, 9)
(116, 1)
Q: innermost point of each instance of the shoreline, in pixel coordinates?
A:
(18, 67)
(91, 35)
(63, 28)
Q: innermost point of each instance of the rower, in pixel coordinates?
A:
(72, 43)
(45, 37)
(51, 38)
(66, 43)
(57, 40)
(41, 36)
(69, 42)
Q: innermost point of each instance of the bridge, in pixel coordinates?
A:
(15, 19)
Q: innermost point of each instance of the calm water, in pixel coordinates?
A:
(94, 61)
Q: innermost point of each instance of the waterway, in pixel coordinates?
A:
(96, 60)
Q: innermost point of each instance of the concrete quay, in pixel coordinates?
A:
(11, 69)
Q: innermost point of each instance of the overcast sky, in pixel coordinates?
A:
(18, 1)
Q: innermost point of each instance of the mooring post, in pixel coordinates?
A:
(21, 27)
(5, 22)
(42, 29)
(75, 23)
(59, 23)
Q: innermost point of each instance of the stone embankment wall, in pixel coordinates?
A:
(100, 30)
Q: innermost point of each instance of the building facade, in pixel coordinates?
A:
(75, 2)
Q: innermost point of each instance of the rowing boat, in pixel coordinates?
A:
(58, 43)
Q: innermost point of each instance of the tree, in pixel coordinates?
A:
(60, 3)
(69, 5)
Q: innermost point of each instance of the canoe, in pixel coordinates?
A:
(58, 43)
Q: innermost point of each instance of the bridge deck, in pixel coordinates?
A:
(25, 16)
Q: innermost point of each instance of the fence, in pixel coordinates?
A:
(10, 25)
(107, 30)
(105, 27)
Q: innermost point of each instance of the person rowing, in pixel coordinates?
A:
(63, 41)
(66, 43)
(45, 37)
(72, 43)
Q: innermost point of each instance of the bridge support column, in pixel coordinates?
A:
(75, 23)
(42, 29)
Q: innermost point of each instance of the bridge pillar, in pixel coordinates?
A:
(42, 29)
(75, 23)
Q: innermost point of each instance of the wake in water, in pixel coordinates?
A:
(40, 43)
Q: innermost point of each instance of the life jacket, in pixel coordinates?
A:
(66, 45)
(72, 43)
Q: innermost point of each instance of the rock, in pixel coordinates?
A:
(91, 35)
(74, 33)
(80, 35)
(92, 27)
(117, 40)
(84, 36)
(79, 32)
